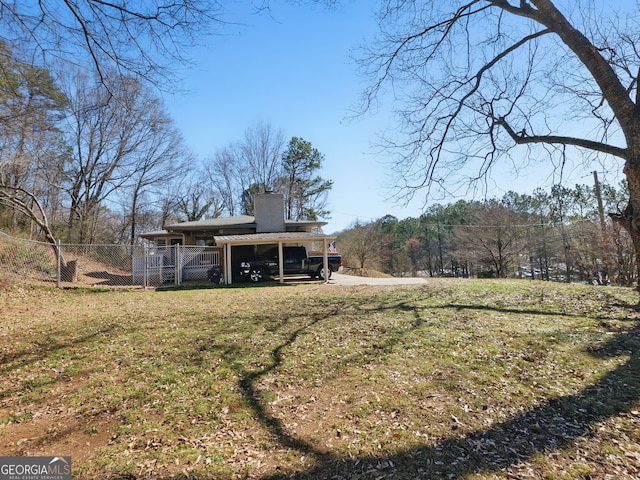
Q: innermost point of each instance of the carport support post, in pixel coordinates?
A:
(177, 265)
(227, 264)
(325, 261)
(281, 261)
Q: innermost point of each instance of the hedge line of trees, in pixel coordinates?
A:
(556, 235)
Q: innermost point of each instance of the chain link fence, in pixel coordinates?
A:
(106, 265)
(27, 260)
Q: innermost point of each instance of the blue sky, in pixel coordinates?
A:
(294, 71)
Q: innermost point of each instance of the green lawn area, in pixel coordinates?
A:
(457, 379)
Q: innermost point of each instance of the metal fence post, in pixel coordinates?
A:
(145, 266)
(59, 264)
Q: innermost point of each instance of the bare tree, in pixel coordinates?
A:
(140, 39)
(363, 244)
(224, 175)
(199, 200)
(248, 166)
(159, 160)
(495, 237)
(475, 79)
(123, 142)
(261, 150)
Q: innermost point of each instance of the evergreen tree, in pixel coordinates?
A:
(305, 192)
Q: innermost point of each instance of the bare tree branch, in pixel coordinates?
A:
(144, 39)
(524, 139)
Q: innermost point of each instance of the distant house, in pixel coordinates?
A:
(243, 236)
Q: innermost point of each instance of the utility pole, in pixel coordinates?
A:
(603, 226)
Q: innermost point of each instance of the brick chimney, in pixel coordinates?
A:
(269, 212)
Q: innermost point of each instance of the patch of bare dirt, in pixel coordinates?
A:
(52, 427)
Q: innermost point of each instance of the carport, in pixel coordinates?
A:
(228, 242)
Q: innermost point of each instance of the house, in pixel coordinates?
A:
(239, 237)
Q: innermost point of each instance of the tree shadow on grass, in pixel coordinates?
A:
(110, 279)
(46, 346)
(554, 425)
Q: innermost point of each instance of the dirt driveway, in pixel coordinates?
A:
(341, 279)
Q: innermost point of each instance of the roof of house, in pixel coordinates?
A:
(226, 223)
(235, 221)
(211, 223)
(261, 238)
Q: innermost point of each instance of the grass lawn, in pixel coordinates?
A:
(454, 380)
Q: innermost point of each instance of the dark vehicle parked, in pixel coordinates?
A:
(296, 262)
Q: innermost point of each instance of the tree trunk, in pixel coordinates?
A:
(634, 233)
(629, 219)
